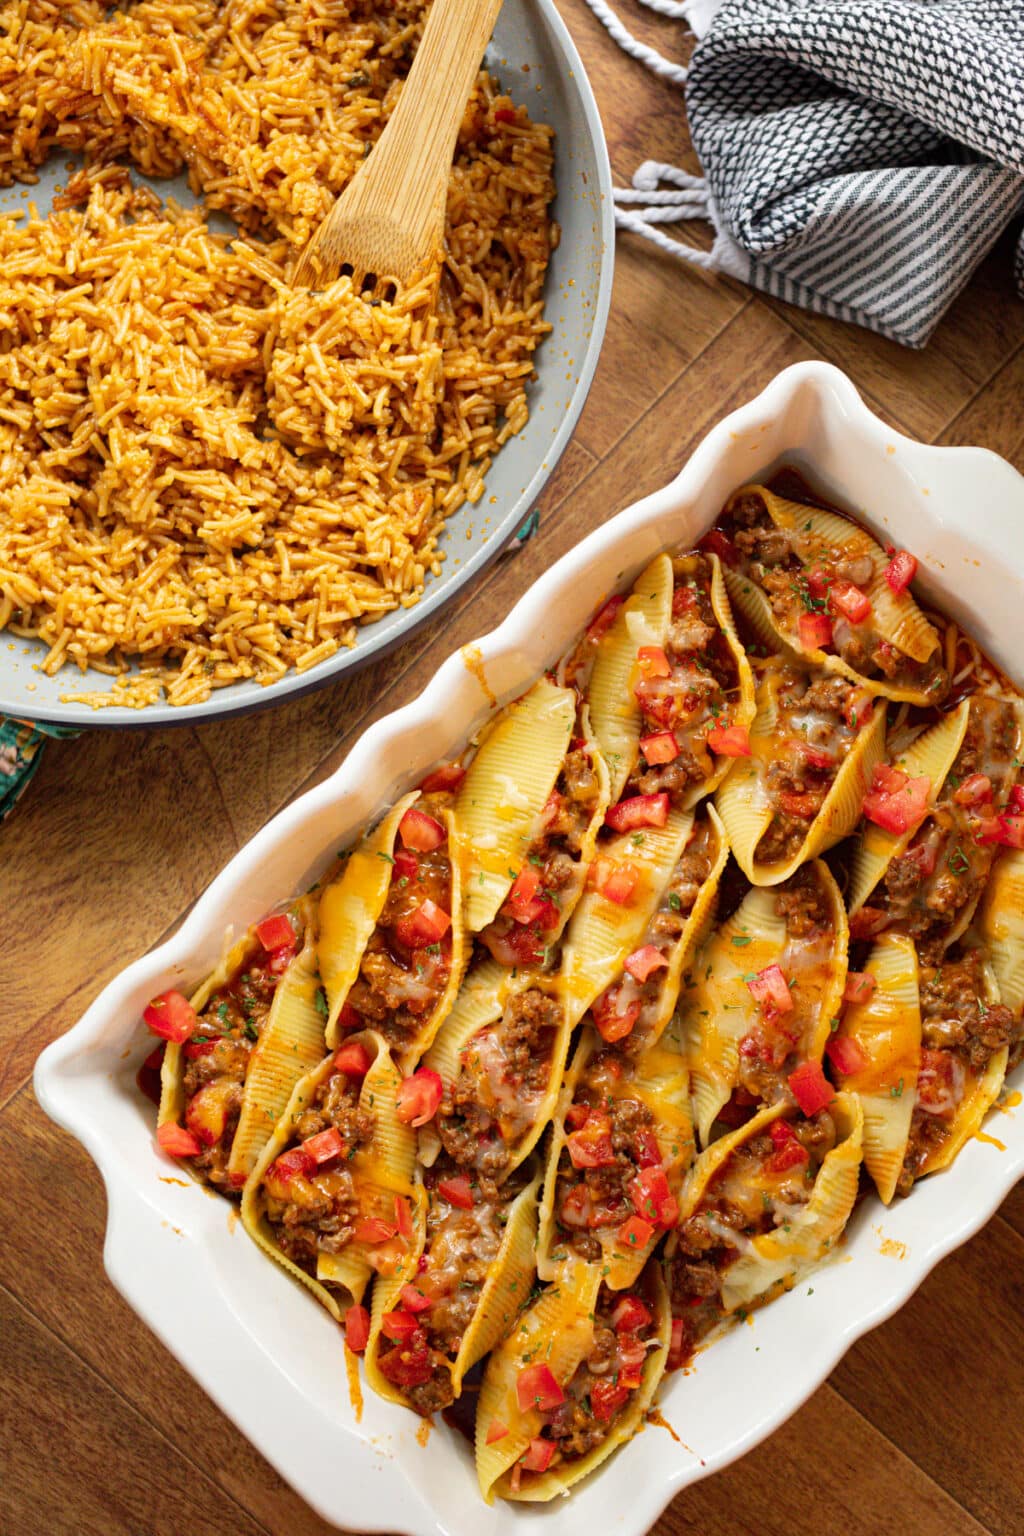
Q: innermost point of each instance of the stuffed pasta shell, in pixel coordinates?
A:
(570, 1385)
(758, 1008)
(815, 741)
(761, 1206)
(818, 585)
(392, 948)
(330, 1198)
(235, 1052)
(461, 1288)
(935, 822)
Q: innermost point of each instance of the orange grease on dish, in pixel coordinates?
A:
(991, 1141)
(355, 1386)
(1009, 1102)
(473, 661)
(423, 1433)
(890, 1247)
(184, 1183)
(654, 1416)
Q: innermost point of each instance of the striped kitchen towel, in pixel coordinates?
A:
(860, 156)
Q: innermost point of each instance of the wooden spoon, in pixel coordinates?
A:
(389, 220)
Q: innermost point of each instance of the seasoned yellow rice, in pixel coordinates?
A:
(201, 468)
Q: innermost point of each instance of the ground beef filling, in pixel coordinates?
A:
(617, 1131)
(604, 1383)
(941, 874)
(813, 741)
(523, 933)
(400, 983)
(461, 1247)
(761, 1184)
(772, 557)
(699, 692)
(319, 1211)
(506, 1071)
(960, 1034)
(216, 1063)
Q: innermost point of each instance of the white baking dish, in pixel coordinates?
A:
(267, 1354)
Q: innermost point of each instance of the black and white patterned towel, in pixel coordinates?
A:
(860, 156)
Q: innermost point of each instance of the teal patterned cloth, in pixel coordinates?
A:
(21, 751)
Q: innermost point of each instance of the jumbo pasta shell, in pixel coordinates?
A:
(557, 1329)
(776, 1260)
(350, 907)
(887, 1028)
(501, 799)
(717, 1009)
(745, 706)
(1001, 926)
(896, 618)
(546, 1487)
(507, 1285)
(660, 1081)
(380, 1172)
(642, 620)
(745, 805)
(602, 932)
(290, 1045)
(172, 1068)
(461, 950)
(387, 1298)
(980, 1094)
(932, 755)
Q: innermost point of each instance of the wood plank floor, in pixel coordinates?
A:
(918, 1430)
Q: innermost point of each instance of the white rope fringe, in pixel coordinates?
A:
(646, 204)
(654, 61)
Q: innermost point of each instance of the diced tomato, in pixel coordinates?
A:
(802, 803)
(660, 748)
(715, 542)
(357, 1329)
(443, 780)
(577, 1115)
(370, 1229)
(788, 1154)
(638, 811)
(851, 602)
(818, 581)
(976, 789)
(815, 759)
(408, 1364)
(606, 1398)
(940, 1082)
(683, 599)
(457, 1190)
(815, 631)
(176, 1141)
(810, 1087)
(770, 990)
(591, 1146)
(901, 570)
(325, 1146)
(577, 1209)
(646, 1152)
(677, 1346)
(171, 1016)
(632, 1356)
(195, 1048)
(428, 924)
(614, 1022)
(538, 1455)
(859, 707)
(895, 802)
(1011, 831)
(536, 1387)
(206, 1116)
(522, 945)
(653, 1199)
(419, 1097)
(644, 960)
(276, 932)
(729, 740)
(1016, 800)
(155, 1060)
(281, 959)
(296, 1163)
(620, 883)
(867, 921)
(924, 858)
(653, 662)
(414, 1300)
(403, 1216)
(859, 988)
(630, 1315)
(553, 805)
(634, 1233)
(846, 1055)
(504, 115)
(524, 888)
(496, 1431)
(420, 831)
(604, 618)
(348, 1018)
(352, 1058)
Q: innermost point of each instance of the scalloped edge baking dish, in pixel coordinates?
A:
(265, 1353)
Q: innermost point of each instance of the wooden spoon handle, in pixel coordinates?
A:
(411, 163)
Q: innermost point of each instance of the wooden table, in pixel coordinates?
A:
(918, 1430)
